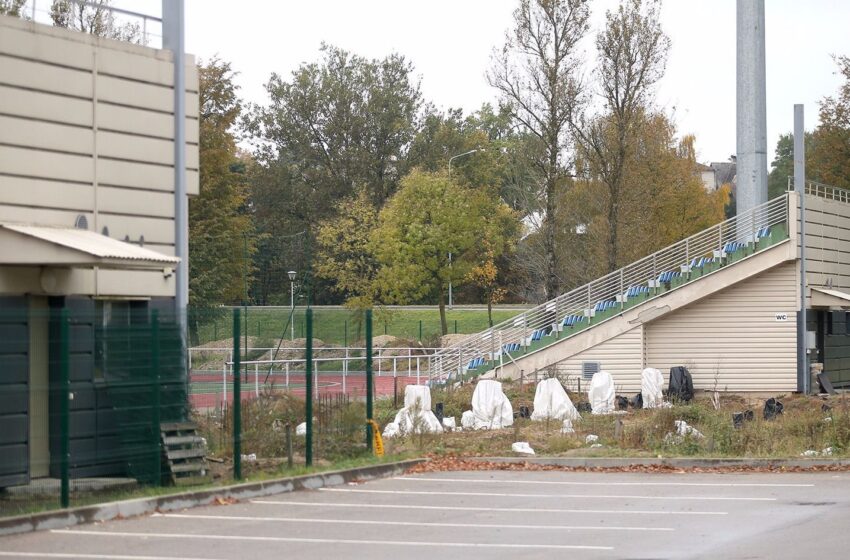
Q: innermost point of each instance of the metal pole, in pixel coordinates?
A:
(64, 409)
(308, 392)
(291, 310)
(369, 389)
(751, 114)
(256, 380)
(237, 398)
(173, 39)
(800, 187)
(450, 263)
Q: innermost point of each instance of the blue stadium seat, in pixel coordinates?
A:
(604, 305)
(572, 320)
(634, 291)
(511, 347)
(668, 275)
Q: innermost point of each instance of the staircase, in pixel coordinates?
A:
(183, 452)
(670, 278)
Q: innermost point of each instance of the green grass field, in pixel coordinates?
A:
(344, 327)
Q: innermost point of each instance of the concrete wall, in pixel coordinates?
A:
(828, 243)
(86, 129)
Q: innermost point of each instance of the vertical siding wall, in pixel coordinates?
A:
(86, 128)
(620, 356)
(735, 333)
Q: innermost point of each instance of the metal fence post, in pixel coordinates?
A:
(64, 409)
(369, 390)
(237, 398)
(156, 420)
(308, 390)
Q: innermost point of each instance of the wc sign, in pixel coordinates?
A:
(781, 316)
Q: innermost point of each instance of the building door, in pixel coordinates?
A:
(39, 388)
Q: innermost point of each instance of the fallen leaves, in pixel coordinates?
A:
(456, 463)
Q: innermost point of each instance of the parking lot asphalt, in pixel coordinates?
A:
(489, 515)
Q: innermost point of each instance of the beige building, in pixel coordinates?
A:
(724, 303)
(87, 225)
(86, 144)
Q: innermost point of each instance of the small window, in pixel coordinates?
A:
(847, 323)
(830, 323)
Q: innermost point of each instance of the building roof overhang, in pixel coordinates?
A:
(30, 245)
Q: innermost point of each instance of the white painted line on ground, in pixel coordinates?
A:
(329, 541)
(93, 556)
(418, 524)
(577, 483)
(560, 496)
(469, 508)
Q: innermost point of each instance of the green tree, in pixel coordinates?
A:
(429, 218)
(830, 152)
(219, 224)
(335, 126)
(537, 73)
(344, 255)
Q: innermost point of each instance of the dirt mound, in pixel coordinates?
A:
(450, 339)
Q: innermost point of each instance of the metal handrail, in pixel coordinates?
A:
(612, 287)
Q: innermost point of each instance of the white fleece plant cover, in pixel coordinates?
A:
(651, 387)
(490, 407)
(416, 416)
(551, 401)
(601, 393)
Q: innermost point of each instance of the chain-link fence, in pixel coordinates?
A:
(97, 402)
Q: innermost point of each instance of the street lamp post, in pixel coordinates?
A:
(463, 154)
(292, 274)
(450, 175)
(450, 281)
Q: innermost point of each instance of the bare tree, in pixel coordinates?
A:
(12, 7)
(537, 72)
(632, 54)
(94, 18)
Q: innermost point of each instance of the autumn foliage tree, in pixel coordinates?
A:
(429, 218)
(220, 240)
(344, 255)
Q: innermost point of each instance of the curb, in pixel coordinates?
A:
(60, 519)
(679, 462)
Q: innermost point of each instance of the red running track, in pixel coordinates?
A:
(206, 389)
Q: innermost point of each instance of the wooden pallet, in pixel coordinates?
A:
(183, 452)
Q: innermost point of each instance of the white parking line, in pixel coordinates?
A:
(93, 556)
(329, 541)
(577, 483)
(469, 508)
(419, 524)
(559, 496)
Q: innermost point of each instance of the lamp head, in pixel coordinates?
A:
(292, 274)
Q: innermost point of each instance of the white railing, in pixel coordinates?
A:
(148, 28)
(612, 288)
(827, 191)
(412, 362)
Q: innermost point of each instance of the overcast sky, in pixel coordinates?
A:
(450, 42)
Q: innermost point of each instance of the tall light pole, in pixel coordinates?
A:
(450, 175)
(450, 281)
(463, 154)
(292, 274)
